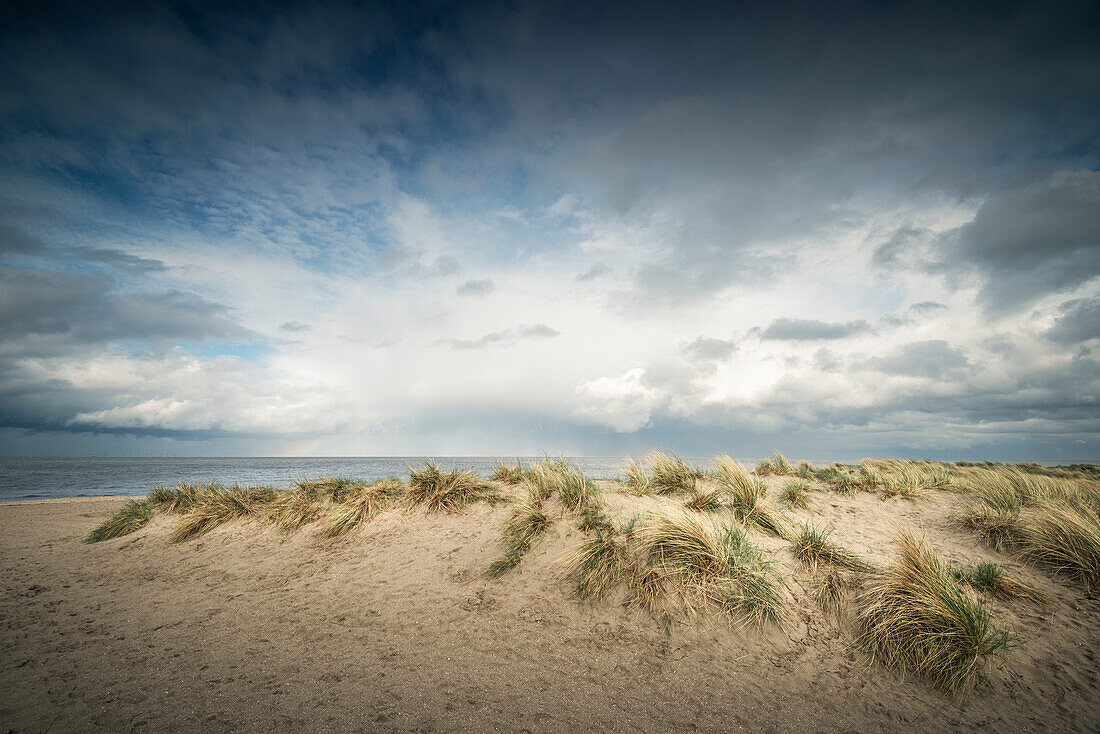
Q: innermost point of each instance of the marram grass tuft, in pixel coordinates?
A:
(670, 474)
(915, 616)
(216, 505)
(440, 491)
(132, 516)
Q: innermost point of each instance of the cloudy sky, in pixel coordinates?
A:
(453, 228)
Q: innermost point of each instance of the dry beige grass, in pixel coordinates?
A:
(917, 617)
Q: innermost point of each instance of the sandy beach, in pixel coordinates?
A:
(397, 628)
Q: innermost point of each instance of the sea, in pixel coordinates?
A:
(44, 478)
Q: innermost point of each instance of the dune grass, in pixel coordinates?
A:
(745, 494)
(131, 517)
(527, 522)
(1065, 540)
(179, 499)
(702, 500)
(597, 565)
(576, 491)
(511, 474)
(764, 468)
(714, 559)
(637, 481)
(795, 494)
(890, 477)
(805, 470)
(162, 498)
(992, 579)
(780, 465)
(1049, 520)
(370, 500)
(1001, 529)
(747, 502)
(670, 474)
(903, 480)
(541, 479)
(731, 474)
(915, 616)
(812, 547)
(440, 491)
(291, 509)
(830, 593)
(216, 505)
(646, 588)
(593, 518)
(334, 489)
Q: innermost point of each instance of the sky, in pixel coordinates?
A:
(833, 229)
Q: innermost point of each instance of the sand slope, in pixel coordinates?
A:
(396, 628)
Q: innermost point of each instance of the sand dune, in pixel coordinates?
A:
(397, 627)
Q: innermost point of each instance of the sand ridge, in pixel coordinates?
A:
(397, 628)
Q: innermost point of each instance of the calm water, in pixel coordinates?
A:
(42, 478)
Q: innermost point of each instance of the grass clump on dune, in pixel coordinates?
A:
(527, 522)
(747, 502)
(917, 617)
(764, 468)
(178, 499)
(999, 528)
(132, 516)
(291, 509)
(715, 559)
(508, 473)
(637, 481)
(992, 579)
(795, 494)
(670, 473)
(1065, 540)
(576, 491)
(357, 509)
(541, 480)
(1049, 520)
(730, 473)
(831, 592)
(806, 470)
(441, 491)
(775, 464)
(607, 558)
(780, 465)
(812, 547)
(216, 505)
(706, 500)
(335, 489)
(597, 565)
(745, 495)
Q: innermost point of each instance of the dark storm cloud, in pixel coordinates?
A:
(1079, 321)
(934, 359)
(505, 338)
(1040, 238)
(15, 241)
(728, 128)
(44, 312)
(118, 259)
(813, 330)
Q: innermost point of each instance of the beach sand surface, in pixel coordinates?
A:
(397, 628)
